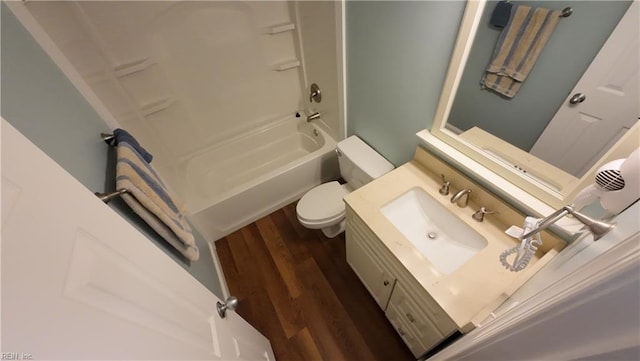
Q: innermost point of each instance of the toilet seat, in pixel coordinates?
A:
(322, 205)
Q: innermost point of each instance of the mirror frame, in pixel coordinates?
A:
(513, 173)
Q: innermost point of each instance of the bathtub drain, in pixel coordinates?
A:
(432, 235)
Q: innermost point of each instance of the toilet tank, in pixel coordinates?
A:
(359, 163)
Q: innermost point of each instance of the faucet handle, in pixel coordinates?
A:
(479, 214)
(444, 190)
(315, 94)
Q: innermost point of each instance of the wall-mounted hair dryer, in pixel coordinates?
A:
(617, 185)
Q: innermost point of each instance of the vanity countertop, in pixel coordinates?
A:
(471, 292)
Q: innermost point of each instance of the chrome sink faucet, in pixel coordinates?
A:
(461, 198)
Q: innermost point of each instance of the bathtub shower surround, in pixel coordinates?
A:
(211, 89)
(229, 188)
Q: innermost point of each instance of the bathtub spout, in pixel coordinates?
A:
(313, 116)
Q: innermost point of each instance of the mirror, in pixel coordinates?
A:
(508, 135)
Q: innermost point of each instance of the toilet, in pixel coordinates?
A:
(322, 207)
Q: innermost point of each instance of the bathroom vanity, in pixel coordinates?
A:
(426, 301)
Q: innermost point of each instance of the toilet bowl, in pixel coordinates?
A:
(323, 206)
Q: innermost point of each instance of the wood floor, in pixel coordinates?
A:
(296, 288)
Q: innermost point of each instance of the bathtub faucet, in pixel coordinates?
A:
(313, 116)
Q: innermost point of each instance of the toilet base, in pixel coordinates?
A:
(333, 231)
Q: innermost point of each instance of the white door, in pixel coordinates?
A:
(580, 133)
(79, 282)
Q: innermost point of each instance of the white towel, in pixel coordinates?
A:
(149, 198)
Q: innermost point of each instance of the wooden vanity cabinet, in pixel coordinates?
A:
(418, 319)
(369, 268)
(412, 323)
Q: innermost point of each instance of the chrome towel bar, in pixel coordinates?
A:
(108, 196)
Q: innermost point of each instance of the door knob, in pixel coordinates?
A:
(230, 304)
(577, 98)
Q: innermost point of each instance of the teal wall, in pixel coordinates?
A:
(397, 56)
(573, 45)
(38, 99)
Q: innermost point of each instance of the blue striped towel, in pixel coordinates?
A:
(518, 47)
(121, 135)
(150, 199)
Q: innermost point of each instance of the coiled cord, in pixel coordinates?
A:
(525, 251)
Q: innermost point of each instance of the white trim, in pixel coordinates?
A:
(298, 40)
(219, 271)
(611, 271)
(461, 50)
(3, 214)
(27, 20)
(341, 52)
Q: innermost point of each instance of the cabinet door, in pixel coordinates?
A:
(369, 269)
(411, 322)
(404, 329)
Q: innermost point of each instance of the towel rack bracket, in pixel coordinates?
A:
(566, 12)
(108, 138)
(108, 196)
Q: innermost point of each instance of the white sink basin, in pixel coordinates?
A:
(437, 233)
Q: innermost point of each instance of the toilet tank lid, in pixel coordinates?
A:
(365, 157)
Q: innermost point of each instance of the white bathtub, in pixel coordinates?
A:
(236, 183)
